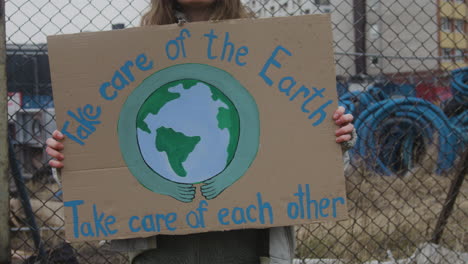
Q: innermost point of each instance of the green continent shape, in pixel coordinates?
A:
(177, 147)
(189, 83)
(154, 103)
(227, 118)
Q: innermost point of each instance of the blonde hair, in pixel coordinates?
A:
(162, 12)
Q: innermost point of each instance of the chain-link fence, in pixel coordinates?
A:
(395, 60)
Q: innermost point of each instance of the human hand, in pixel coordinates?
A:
(344, 133)
(54, 148)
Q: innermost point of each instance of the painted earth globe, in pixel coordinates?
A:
(187, 131)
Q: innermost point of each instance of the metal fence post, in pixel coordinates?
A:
(4, 193)
(450, 201)
(360, 21)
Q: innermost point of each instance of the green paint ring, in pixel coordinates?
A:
(249, 135)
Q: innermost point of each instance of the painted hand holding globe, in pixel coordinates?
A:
(343, 134)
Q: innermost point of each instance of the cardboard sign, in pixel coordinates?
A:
(209, 126)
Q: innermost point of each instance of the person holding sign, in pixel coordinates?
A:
(274, 245)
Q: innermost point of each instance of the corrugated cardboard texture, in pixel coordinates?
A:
(292, 152)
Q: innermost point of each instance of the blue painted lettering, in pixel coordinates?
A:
(228, 51)
(211, 36)
(159, 218)
(181, 39)
(306, 204)
(98, 222)
(201, 209)
(238, 216)
(222, 214)
(82, 132)
(86, 230)
(293, 214)
(174, 44)
(262, 206)
(119, 82)
(148, 223)
(227, 45)
(198, 217)
(287, 84)
(88, 112)
(249, 213)
(321, 111)
(335, 201)
(127, 71)
(300, 196)
(131, 224)
(76, 220)
(286, 90)
(195, 223)
(262, 211)
(152, 223)
(69, 134)
(86, 120)
(241, 52)
(309, 202)
(324, 204)
(171, 218)
(312, 97)
(179, 44)
(270, 61)
(141, 60)
(104, 94)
